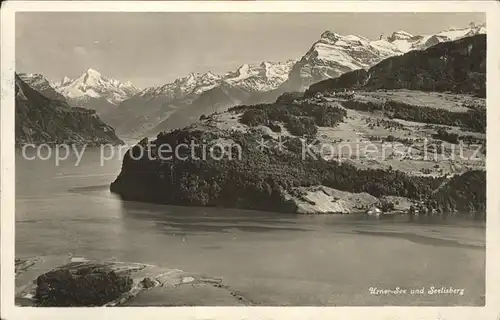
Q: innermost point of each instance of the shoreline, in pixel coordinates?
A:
(346, 205)
(150, 283)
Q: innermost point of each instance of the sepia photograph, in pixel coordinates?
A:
(272, 159)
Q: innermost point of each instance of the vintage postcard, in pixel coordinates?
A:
(250, 160)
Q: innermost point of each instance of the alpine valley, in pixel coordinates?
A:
(179, 103)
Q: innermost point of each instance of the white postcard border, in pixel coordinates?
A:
(7, 164)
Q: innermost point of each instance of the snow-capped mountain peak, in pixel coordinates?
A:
(193, 83)
(243, 70)
(407, 42)
(400, 35)
(330, 36)
(264, 76)
(334, 38)
(92, 85)
(127, 84)
(41, 84)
(334, 54)
(33, 79)
(94, 72)
(90, 78)
(63, 81)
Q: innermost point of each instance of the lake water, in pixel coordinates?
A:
(270, 258)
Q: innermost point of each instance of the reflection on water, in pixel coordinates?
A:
(272, 258)
(196, 220)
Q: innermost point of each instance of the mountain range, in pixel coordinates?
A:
(458, 66)
(191, 96)
(134, 112)
(91, 90)
(335, 54)
(329, 57)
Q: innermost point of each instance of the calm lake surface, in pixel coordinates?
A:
(270, 258)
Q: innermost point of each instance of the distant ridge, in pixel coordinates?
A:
(458, 66)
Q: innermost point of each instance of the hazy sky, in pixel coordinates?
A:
(155, 48)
